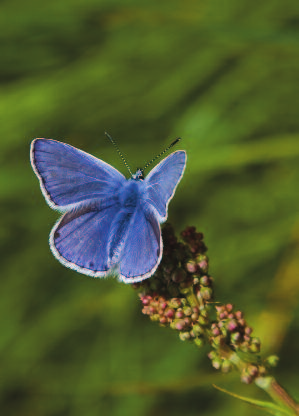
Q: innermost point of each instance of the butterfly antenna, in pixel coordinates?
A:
(119, 152)
(162, 153)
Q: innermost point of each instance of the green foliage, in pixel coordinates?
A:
(222, 75)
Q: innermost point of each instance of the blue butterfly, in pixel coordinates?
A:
(109, 223)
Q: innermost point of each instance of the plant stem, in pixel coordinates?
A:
(277, 393)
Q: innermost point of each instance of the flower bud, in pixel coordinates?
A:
(239, 315)
(235, 337)
(191, 267)
(169, 313)
(194, 316)
(163, 320)
(202, 320)
(179, 314)
(222, 315)
(180, 324)
(212, 354)
(203, 265)
(174, 303)
(155, 318)
(216, 363)
(252, 370)
(205, 281)
(272, 360)
(229, 307)
(246, 379)
(232, 325)
(197, 330)
(226, 366)
(206, 293)
(187, 310)
(199, 342)
(184, 336)
(163, 305)
(255, 348)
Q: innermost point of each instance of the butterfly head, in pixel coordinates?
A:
(138, 175)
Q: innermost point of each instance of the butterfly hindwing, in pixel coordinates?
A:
(162, 181)
(142, 250)
(80, 238)
(69, 176)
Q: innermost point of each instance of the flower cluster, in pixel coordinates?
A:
(232, 329)
(230, 334)
(180, 296)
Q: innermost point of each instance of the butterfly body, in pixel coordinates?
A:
(109, 223)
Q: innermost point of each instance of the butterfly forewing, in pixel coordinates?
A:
(68, 175)
(162, 181)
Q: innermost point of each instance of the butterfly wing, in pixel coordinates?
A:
(142, 250)
(162, 181)
(80, 239)
(94, 239)
(69, 176)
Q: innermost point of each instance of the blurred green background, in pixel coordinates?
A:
(222, 75)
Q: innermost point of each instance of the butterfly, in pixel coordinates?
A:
(110, 224)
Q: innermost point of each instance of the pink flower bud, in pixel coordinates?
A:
(169, 313)
(191, 266)
(216, 331)
(242, 322)
(187, 321)
(179, 314)
(239, 315)
(180, 325)
(163, 320)
(229, 307)
(163, 305)
(203, 265)
(205, 281)
(232, 325)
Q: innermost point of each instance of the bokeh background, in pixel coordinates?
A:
(222, 75)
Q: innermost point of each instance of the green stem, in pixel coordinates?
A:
(277, 393)
(190, 296)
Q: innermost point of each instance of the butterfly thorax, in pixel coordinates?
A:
(130, 194)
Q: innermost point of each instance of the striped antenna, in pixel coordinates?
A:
(162, 153)
(119, 152)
